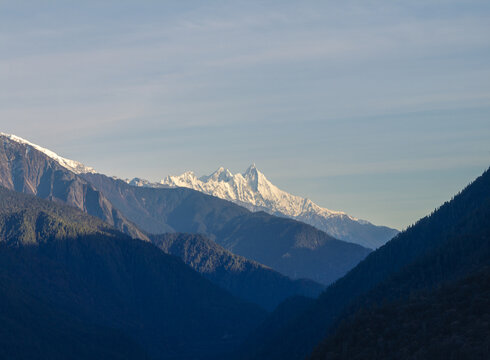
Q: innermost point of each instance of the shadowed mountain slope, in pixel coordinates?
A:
(243, 278)
(79, 269)
(26, 169)
(449, 323)
(33, 329)
(283, 315)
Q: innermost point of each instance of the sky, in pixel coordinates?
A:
(377, 108)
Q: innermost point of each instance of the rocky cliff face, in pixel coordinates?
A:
(24, 168)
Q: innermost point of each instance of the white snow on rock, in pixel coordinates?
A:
(254, 191)
(251, 188)
(75, 166)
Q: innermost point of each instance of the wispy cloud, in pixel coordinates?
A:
(241, 80)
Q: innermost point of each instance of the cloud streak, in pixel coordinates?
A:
(274, 82)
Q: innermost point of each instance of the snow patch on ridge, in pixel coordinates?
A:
(72, 165)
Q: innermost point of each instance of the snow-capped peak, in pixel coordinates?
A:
(250, 188)
(221, 174)
(254, 191)
(188, 178)
(71, 165)
(251, 170)
(138, 182)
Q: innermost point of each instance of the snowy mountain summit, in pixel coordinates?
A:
(251, 189)
(255, 192)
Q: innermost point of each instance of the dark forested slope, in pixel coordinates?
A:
(92, 278)
(243, 278)
(452, 322)
(34, 330)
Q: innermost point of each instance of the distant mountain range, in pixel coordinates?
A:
(255, 192)
(293, 248)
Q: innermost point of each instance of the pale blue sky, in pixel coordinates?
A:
(377, 108)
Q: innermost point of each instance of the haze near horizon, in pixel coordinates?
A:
(378, 109)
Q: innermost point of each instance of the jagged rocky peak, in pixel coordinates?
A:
(138, 182)
(221, 174)
(251, 171)
(253, 177)
(72, 165)
(187, 177)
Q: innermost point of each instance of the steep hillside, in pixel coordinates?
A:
(282, 316)
(449, 323)
(33, 329)
(97, 278)
(27, 168)
(243, 278)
